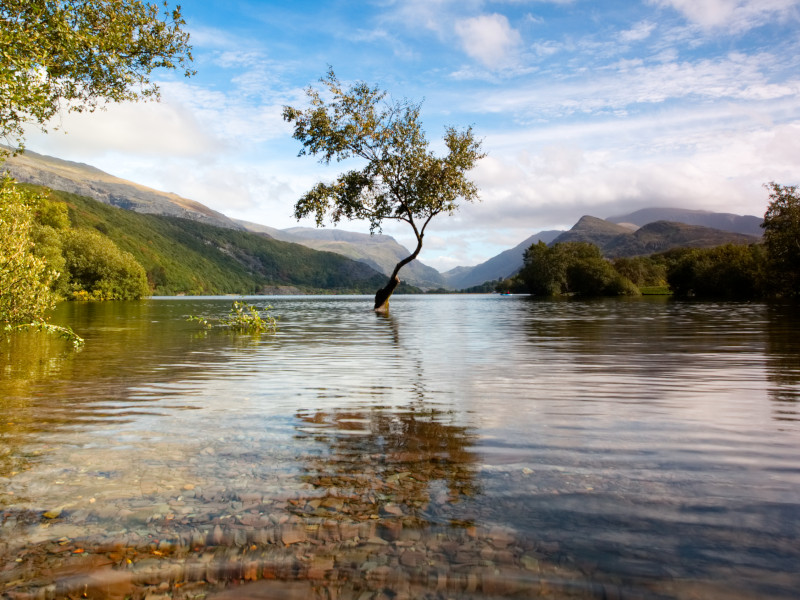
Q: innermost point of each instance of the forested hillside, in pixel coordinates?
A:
(381, 252)
(664, 235)
(183, 256)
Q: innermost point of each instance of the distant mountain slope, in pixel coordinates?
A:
(270, 231)
(85, 180)
(746, 224)
(381, 252)
(505, 264)
(191, 257)
(663, 235)
(618, 240)
(638, 233)
(593, 230)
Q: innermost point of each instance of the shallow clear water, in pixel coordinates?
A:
(464, 446)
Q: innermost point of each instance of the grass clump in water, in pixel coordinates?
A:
(242, 318)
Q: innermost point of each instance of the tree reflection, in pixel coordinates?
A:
(27, 358)
(404, 466)
(783, 360)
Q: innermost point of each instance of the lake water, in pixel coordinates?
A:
(461, 447)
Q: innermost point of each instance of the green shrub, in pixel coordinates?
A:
(98, 270)
(782, 239)
(25, 278)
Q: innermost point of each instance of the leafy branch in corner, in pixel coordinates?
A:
(63, 332)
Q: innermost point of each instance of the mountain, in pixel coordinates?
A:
(504, 265)
(381, 252)
(615, 236)
(593, 230)
(626, 235)
(746, 224)
(619, 240)
(85, 180)
(663, 235)
(183, 256)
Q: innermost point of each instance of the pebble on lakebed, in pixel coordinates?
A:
(267, 545)
(397, 525)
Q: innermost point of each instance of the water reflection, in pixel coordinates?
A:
(406, 465)
(653, 333)
(26, 359)
(783, 366)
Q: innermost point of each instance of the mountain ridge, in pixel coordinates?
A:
(665, 235)
(382, 252)
(747, 224)
(623, 238)
(85, 180)
(594, 230)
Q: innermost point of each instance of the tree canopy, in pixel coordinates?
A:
(782, 237)
(731, 271)
(401, 179)
(571, 268)
(97, 269)
(75, 54)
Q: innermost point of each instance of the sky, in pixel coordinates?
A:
(583, 107)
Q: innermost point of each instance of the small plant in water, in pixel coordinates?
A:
(244, 318)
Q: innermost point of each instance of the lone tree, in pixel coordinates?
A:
(402, 179)
(75, 54)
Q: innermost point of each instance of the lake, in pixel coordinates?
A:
(461, 447)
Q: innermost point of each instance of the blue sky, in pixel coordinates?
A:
(584, 107)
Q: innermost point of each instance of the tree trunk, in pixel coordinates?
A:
(382, 295)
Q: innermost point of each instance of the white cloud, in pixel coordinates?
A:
(641, 31)
(735, 15)
(633, 84)
(145, 128)
(208, 37)
(537, 180)
(534, 20)
(547, 48)
(382, 37)
(433, 15)
(489, 39)
(232, 59)
(251, 192)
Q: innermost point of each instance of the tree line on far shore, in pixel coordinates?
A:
(770, 269)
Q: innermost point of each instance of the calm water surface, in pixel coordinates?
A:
(464, 446)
